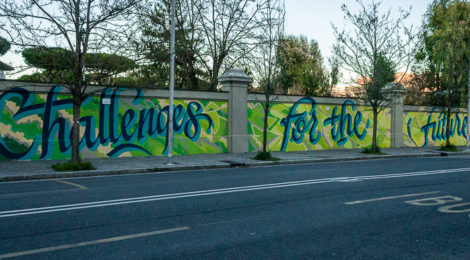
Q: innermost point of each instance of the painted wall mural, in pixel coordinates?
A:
(429, 128)
(307, 125)
(38, 126)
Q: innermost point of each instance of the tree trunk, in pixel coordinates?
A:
(193, 82)
(214, 81)
(448, 126)
(265, 127)
(374, 131)
(76, 132)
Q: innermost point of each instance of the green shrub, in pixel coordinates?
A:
(71, 166)
(369, 150)
(265, 156)
(449, 148)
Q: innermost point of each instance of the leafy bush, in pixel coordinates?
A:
(71, 166)
(369, 150)
(265, 156)
(449, 148)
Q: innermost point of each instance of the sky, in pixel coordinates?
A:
(313, 19)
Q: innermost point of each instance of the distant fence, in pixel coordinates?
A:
(36, 122)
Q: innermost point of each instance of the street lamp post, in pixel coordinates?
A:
(172, 85)
(468, 111)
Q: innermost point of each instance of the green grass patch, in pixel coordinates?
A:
(369, 150)
(265, 156)
(449, 148)
(72, 166)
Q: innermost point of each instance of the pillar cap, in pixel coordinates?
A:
(235, 75)
(395, 88)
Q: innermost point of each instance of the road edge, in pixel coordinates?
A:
(177, 167)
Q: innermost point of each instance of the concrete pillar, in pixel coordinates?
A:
(236, 82)
(398, 94)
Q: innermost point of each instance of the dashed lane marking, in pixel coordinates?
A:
(71, 183)
(92, 242)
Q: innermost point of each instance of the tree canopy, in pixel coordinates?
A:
(58, 64)
(445, 55)
(154, 46)
(4, 47)
(302, 71)
(446, 52)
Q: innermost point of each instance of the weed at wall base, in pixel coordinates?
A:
(72, 166)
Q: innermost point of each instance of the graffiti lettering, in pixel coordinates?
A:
(297, 124)
(343, 126)
(125, 131)
(437, 128)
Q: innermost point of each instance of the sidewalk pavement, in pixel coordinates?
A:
(41, 169)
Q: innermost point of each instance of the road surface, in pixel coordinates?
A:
(413, 208)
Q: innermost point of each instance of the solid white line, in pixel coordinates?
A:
(154, 198)
(93, 242)
(390, 198)
(106, 203)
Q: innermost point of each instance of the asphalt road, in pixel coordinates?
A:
(380, 209)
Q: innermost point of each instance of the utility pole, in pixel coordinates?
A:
(172, 85)
(468, 111)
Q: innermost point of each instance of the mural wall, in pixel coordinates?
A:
(123, 122)
(307, 125)
(38, 126)
(422, 128)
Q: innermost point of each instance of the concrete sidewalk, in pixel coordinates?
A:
(41, 169)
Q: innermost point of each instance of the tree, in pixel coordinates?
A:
(378, 46)
(4, 47)
(418, 88)
(302, 70)
(57, 66)
(228, 28)
(266, 66)
(446, 54)
(154, 44)
(104, 68)
(56, 63)
(211, 35)
(77, 26)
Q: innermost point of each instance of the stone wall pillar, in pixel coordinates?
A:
(235, 81)
(397, 140)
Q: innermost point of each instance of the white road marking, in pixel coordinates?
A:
(390, 198)
(72, 184)
(93, 242)
(465, 207)
(347, 179)
(154, 198)
(132, 200)
(434, 201)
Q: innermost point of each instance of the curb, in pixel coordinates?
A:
(216, 166)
